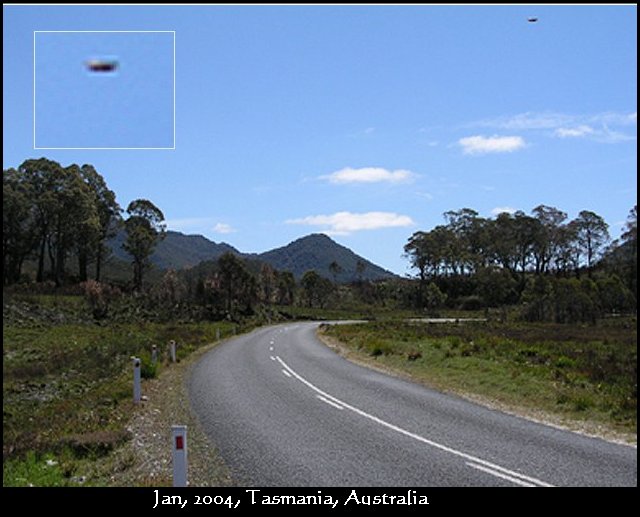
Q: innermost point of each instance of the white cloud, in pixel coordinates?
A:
(188, 223)
(344, 223)
(502, 209)
(493, 144)
(369, 175)
(223, 228)
(574, 132)
(616, 119)
(595, 127)
(527, 121)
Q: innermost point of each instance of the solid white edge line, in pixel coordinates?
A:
(330, 402)
(415, 436)
(500, 475)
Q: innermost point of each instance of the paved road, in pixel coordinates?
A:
(287, 411)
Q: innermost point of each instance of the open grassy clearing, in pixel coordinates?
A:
(584, 374)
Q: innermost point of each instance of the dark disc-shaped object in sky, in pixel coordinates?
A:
(532, 20)
(101, 65)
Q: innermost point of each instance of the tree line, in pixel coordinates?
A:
(519, 258)
(52, 213)
(61, 218)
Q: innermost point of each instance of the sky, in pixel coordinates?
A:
(76, 107)
(366, 123)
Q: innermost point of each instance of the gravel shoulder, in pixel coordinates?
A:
(146, 459)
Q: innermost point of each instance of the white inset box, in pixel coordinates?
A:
(104, 90)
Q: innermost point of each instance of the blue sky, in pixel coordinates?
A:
(79, 108)
(364, 122)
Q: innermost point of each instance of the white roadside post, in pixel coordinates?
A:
(154, 354)
(136, 380)
(179, 433)
(218, 334)
(172, 350)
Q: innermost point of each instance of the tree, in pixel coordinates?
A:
(109, 218)
(144, 228)
(73, 219)
(316, 289)
(18, 229)
(547, 239)
(267, 283)
(433, 297)
(630, 238)
(42, 176)
(286, 287)
(592, 234)
(237, 286)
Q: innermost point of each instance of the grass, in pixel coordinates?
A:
(584, 373)
(67, 392)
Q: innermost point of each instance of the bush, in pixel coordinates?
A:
(377, 347)
(99, 297)
(470, 303)
(148, 369)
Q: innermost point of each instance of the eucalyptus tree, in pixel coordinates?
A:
(144, 228)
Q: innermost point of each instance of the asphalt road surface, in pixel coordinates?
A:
(285, 410)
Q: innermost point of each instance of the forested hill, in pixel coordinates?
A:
(314, 252)
(318, 252)
(177, 250)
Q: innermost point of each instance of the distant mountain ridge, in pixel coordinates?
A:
(177, 250)
(316, 252)
(313, 252)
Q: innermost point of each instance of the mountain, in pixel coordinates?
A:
(177, 250)
(317, 252)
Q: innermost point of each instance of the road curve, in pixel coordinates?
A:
(285, 410)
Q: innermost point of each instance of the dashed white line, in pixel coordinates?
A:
(330, 402)
(286, 372)
(272, 358)
(513, 476)
(270, 349)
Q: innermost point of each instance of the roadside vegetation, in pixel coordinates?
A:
(67, 395)
(577, 373)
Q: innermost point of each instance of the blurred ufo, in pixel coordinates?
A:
(101, 65)
(532, 20)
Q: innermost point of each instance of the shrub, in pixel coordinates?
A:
(148, 369)
(99, 297)
(471, 303)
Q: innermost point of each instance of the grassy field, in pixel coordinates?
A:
(67, 388)
(581, 373)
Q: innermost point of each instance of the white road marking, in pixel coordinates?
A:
(330, 402)
(500, 475)
(488, 464)
(286, 372)
(271, 349)
(272, 358)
